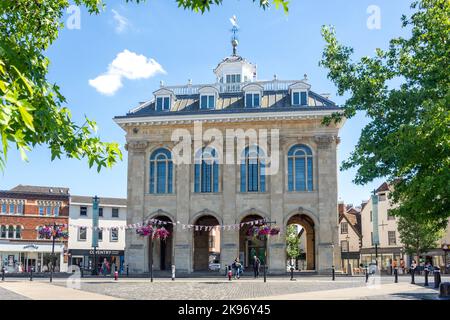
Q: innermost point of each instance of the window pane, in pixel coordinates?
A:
(310, 174)
(18, 232)
(238, 78)
(169, 183)
(152, 177)
(100, 235)
(4, 207)
(233, 78)
(203, 102)
(11, 232)
(161, 177)
(115, 212)
(256, 100)
(300, 174)
(197, 177)
(262, 177)
(159, 102)
(56, 211)
(243, 177)
(3, 232)
(303, 96)
(211, 102)
(166, 103)
(296, 98)
(228, 78)
(290, 175)
(11, 208)
(100, 212)
(248, 100)
(216, 177)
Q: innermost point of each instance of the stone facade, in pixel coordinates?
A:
(287, 106)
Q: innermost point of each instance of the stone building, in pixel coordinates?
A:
(215, 189)
(111, 235)
(23, 209)
(350, 238)
(382, 241)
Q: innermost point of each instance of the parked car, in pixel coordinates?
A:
(214, 266)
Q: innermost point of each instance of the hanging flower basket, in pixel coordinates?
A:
(261, 231)
(58, 232)
(156, 233)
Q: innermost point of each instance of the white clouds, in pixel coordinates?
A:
(121, 22)
(129, 65)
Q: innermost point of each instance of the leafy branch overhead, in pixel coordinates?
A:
(408, 137)
(32, 110)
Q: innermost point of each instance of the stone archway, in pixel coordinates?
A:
(163, 249)
(248, 245)
(307, 233)
(206, 243)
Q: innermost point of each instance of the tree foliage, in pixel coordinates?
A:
(32, 110)
(292, 242)
(408, 137)
(417, 237)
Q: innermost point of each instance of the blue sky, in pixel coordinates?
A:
(188, 45)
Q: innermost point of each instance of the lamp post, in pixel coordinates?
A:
(95, 204)
(445, 248)
(53, 252)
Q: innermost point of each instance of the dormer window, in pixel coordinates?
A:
(299, 98)
(233, 78)
(162, 103)
(252, 100)
(207, 101)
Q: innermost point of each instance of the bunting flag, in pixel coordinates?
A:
(223, 227)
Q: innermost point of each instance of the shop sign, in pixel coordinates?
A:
(31, 246)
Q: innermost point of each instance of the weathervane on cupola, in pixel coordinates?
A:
(234, 30)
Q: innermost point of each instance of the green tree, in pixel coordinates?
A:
(407, 139)
(417, 237)
(32, 110)
(292, 242)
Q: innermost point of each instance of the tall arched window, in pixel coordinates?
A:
(18, 232)
(161, 171)
(253, 178)
(11, 232)
(300, 168)
(206, 170)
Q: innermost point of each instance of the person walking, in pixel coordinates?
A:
(238, 267)
(256, 265)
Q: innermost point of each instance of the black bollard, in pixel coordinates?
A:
(81, 271)
(31, 274)
(292, 274)
(127, 271)
(333, 273)
(396, 275)
(367, 274)
(3, 273)
(426, 277)
(437, 277)
(413, 271)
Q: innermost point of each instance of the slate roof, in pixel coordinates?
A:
(103, 200)
(271, 101)
(40, 189)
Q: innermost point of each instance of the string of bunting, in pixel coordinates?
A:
(187, 227)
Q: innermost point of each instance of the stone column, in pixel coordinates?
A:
(135, 256)
(327, 203)
(229, 244)
(183, 238)
(277, 244)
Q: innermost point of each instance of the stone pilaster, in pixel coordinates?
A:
(183, 238)
(135, 248)
(327, 202)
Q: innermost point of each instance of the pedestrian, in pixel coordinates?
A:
(402, 266)
(413, 266)
(256, 265)
(238, 268)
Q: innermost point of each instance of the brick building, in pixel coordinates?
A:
(23, 209)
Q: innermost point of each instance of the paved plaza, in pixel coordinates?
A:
(276, 288)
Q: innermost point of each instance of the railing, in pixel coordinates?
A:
(273, 85)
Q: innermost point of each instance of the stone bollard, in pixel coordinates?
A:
(333, 273)
(444, 290)
(367, 274)
(437, 277)
(173, 272)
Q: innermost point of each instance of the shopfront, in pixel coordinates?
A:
(84, 258)
(386, 257)
(24, 257)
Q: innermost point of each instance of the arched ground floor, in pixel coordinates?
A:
(205, 245)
